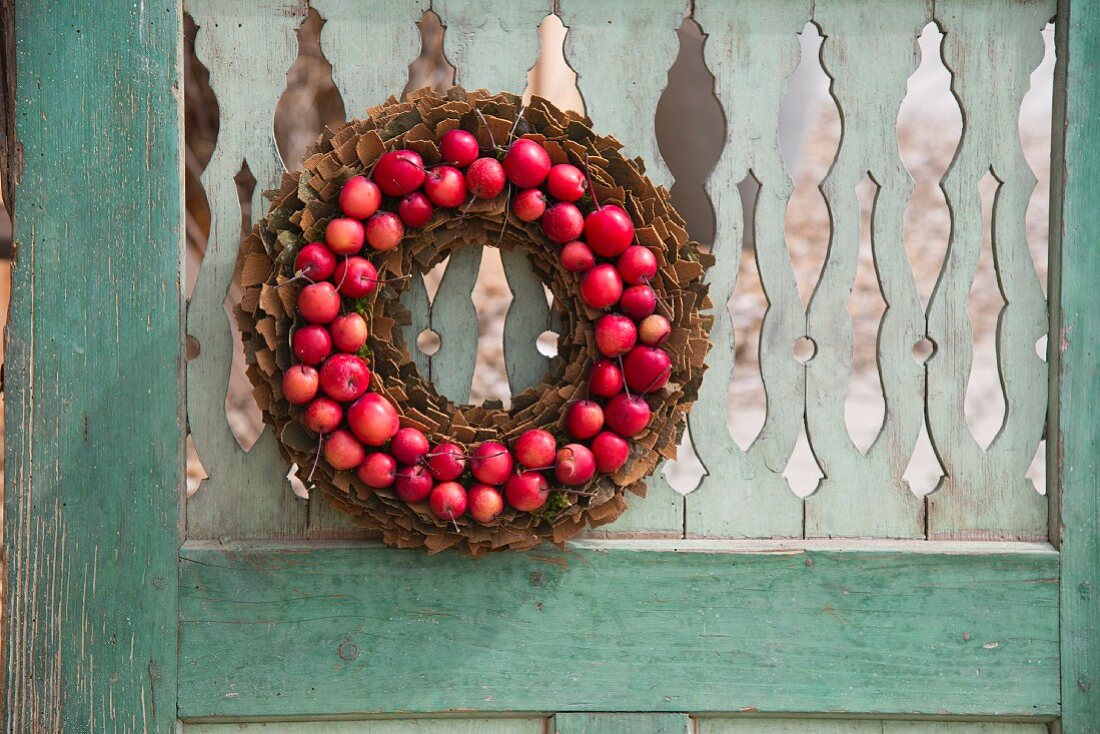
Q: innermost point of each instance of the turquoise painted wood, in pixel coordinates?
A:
(621, 724)
(834, 726)
(1077, 449)
(93, 389)
(404, 726)
(328, 630)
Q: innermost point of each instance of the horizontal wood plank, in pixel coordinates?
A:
(621, 724)
(275, 631)
(753, 725)
(532, 725)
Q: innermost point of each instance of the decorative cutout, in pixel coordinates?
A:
(431, 68)
(804, 349)
(687, 471)
(552, 77)
(803, 473)
(1035, 138)
(492, 299)
(428, 342)
(924, 472)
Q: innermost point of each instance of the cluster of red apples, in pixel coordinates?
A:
(361, 430)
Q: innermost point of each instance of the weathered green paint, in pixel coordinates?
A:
(621, 724)
(403, 726)
(94, 446)
(1078, 432)
(991, 48)
(248, 47)
(838, 726)
(606, 627)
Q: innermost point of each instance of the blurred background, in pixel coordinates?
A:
(690, 131)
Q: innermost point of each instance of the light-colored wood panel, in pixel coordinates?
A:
(454, 318)
(986, 493)
(869, 51)
(751, 50)
(247, 46)
(528, 316)
(751, 725)
(389, 726)
(621, 724)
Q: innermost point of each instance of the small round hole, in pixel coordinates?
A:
(547, 343)
(923, 350)
(428, 342)
(192, 348)
(1041, 347)
(804, 349)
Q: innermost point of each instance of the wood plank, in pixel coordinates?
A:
(753, 725)
(871, 632)
(1078, 432)
(384, 726)
(985, 493)
(751, 49)
(93, 378)
(870, 50)
(454, 318)
(621, 724)
(248, 47)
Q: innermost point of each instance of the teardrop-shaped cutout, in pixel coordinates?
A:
(924, 472)
(803, 473)
(431, 68)
(685, 473)
(552, 77)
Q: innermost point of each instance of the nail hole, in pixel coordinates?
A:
(804, 349)
(428, 342)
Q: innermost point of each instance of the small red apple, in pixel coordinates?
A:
(484, 503)
(311, 344)
(378, 470)
(446, 461)
(458, 147)
(535, 448)
(529, 204)
(415, 209)
(610, 451)
(349, 332)
(563, 222)
(605, 379)
(485, 178)
(527, 163)
(638, 301)
(315, 261)
(491, 463)
(300, 383)
(445, 186)
(576, 465)
(409, 445)
(342, 451)
(566, 182)
(373, 419)
(413, 483)
(447, 500)
(323, 415)
(608, 230)
(577, 257)
(627, 415)
(355, 277)
(345, 377)
(344, 236)
(359, 198)
(399, 172)
(319, 303)
(654, 330)
(384, 231)
(615, 335)
(527, 491)
(584, 419)
(647, 369)
(601, 286)
(637, 265)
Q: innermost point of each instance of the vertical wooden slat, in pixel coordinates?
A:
(248, 47)
(94, 440)
(869, 51)
(454, 318)
(1078, 433)
(621, 79)
(751, 50)
(991, 49)
(621, 724)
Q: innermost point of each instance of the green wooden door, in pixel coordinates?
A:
(739, 607)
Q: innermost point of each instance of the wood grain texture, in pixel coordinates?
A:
(744, 493)
(620, 93)
(621, 724)
(1078, 432)
(248, 47)
(887, 633)
(991, 48)
(752, 725)
(394, 726)
(870, 51)
(94, 443)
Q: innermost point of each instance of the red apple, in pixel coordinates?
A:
(577, 257)
(527, 163)
(342, 451)
(484, 503)
(384, 231)
(415, 209)
(627, 415)
(527, 491)
(300, 383)
(360, 198)
(637, 265)
(529, 204)
(605, 379)
(654, 330)
(638, 301)
(356, 277)
(319, 303)
(349, 332)
(409, 445)
(566, 182)
(323, 415)
(413, 483)
(458, 147)
(399, 172)
(535, 448)
(615, 335)
(576, 465)
(610, 451)
(584, 419)
(447, 500)
(445, 186)
(647, 369)
(373, 419)
(344, 236)
(485, 178)
(608, 230)
(446, 461)
(311, 344)
(345, 377)
(601, 286)
(491, 463)
(315, 261)
(378, 470)
(563, 222)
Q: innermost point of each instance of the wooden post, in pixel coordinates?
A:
(93, 375)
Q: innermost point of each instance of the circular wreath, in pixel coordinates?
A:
(385, 198)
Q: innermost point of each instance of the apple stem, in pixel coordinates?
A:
(316, 458)
(454, 522)
(298, 275)
(507, 208)
(622, 369)
(486, 124)
(588, 176)
(665, 371)
(519, 116)
(343, 274)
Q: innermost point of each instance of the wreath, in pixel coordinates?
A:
(384, 199)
